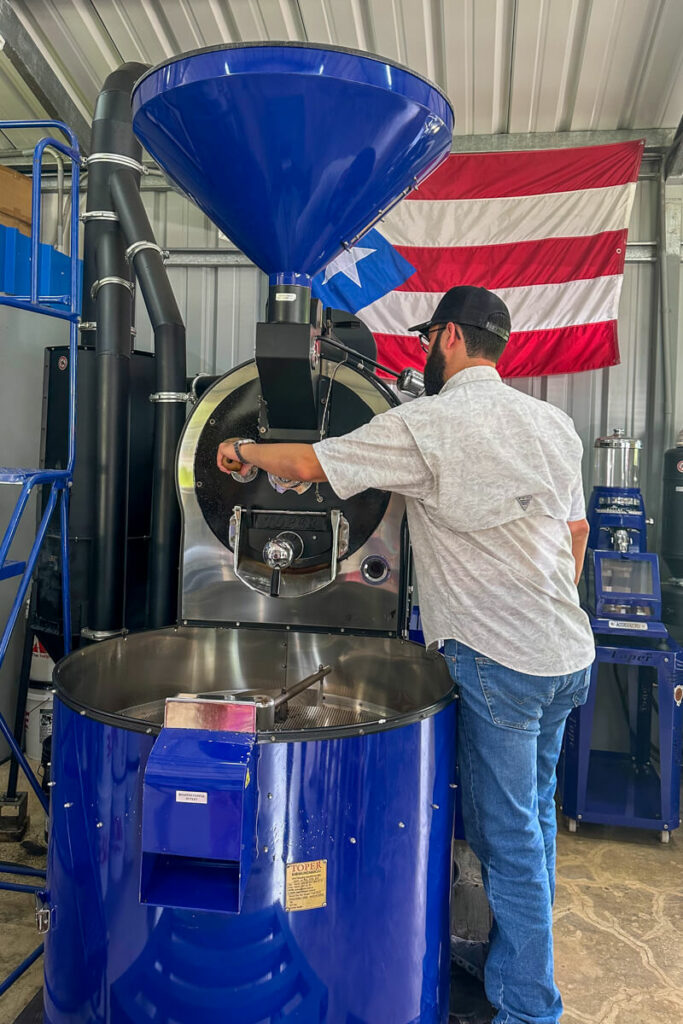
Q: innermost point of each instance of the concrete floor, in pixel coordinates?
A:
(618, 926)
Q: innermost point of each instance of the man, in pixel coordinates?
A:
(492, 481)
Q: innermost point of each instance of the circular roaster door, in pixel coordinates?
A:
(348, 572)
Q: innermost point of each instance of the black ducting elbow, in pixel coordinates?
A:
(169, 418)
(112, 132)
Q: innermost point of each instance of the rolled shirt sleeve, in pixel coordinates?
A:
(578, 506)
(380, 454)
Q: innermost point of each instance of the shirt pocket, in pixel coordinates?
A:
(515, 700)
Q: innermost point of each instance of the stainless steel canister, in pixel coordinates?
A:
(617, 460)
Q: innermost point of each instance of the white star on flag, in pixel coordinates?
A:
(345, 263)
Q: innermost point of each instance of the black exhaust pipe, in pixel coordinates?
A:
(107, 317)
(171, 383)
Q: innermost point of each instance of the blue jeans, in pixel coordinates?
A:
(510, 728)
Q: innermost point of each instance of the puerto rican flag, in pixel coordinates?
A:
(544, 229)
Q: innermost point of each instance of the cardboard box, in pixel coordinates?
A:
(15, 200)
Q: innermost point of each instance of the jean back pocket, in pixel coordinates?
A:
(515, 700)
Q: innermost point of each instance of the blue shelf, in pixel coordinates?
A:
(620, 791)
(54, 270)
(10, 569)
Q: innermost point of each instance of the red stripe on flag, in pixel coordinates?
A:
(527, 353)
(560, 350)
(548, 261)
(537, 172)
(398, 351)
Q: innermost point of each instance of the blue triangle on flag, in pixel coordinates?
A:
(361, 275)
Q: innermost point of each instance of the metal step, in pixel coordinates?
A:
(10, 569)
(20, 474)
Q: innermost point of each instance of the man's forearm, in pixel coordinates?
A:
(292, 461)
(579, 552)
(579, 531)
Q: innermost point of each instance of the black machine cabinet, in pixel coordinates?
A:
(47, 618)
(672, 509)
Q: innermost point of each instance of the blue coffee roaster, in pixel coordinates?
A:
(252, 811)
(639, 784)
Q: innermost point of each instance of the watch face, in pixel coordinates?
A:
(247, 477)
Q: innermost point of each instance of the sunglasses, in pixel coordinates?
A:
(427, 337)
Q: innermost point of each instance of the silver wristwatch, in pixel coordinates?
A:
(237, 448)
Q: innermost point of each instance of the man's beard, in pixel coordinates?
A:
(435, 369)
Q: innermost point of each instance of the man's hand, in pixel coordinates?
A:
(226, 459)
(296, 462)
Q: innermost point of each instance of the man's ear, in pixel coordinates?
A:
(453, 335)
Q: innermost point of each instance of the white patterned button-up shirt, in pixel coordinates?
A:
(491, 478)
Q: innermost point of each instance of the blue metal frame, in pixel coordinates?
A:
(624, 789)
(21, 869)
(21, 969)
(58, 480)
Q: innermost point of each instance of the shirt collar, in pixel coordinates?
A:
(470, 375)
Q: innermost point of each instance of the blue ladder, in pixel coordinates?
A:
(64, 307)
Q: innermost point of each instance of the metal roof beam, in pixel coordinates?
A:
(673, 162)
(658, 139)
(41, 78)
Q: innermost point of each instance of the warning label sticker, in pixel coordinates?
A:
(187, 796)
(306, 885)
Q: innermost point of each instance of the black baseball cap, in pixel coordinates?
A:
(467, 304)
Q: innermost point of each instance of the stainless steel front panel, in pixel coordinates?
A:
(210, 590)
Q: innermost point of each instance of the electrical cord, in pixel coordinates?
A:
(359, 356)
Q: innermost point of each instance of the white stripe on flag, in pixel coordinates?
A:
(533, 308)
(464, 222)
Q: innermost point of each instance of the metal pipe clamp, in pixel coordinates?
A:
(169, 396)
(110, 280)
(101, 634)
(99, 215)
(117, 158)
(136, 247)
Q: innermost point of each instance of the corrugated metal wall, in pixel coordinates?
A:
(627, 395)
(507, 65)
(221, 306)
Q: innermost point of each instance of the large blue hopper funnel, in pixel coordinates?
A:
(292, 150)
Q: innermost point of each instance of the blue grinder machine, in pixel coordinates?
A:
(623, 583)
(638, 786)
(252, 811)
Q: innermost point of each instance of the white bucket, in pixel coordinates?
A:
(38, 720)
(41, 663)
